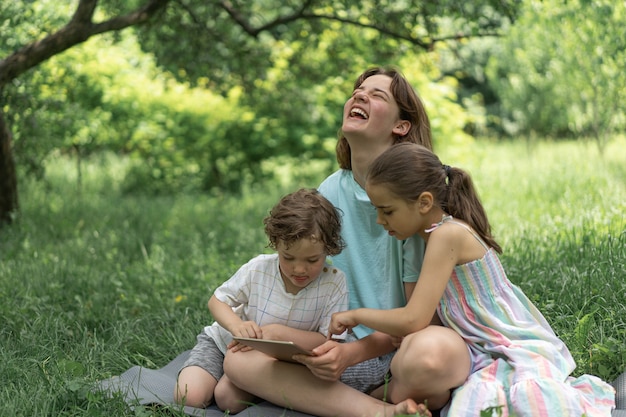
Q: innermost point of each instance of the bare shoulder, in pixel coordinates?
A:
(457, 229)
(448, 238)
(458, 236)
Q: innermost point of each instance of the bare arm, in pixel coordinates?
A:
(333, 357)
(442, 254)
(372, 346)
(226, 317)
(409, 287)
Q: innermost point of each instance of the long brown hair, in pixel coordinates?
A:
(409, 169)
(411, 109)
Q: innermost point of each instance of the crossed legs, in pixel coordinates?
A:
(426, 367)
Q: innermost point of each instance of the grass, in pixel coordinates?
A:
(93, 282)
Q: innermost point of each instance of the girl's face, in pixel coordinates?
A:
(301, 263)
(372, 110)
(399, 217)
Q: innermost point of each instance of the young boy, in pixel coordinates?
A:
(288, 295)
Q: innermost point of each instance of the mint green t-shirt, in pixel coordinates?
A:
(376, 265)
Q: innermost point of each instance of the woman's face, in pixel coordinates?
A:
(372, 110)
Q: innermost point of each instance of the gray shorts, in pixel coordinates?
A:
(368, 375)
(207, 356)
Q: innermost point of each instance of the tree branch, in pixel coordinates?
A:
(79, 29)
(84, 12)
(381, 29)
(301, 13)
(254, 32)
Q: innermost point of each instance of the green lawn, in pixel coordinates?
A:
(93, 281)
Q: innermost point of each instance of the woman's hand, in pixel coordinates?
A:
(329, 362)
(340, 322)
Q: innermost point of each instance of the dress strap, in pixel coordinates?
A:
(450, 219)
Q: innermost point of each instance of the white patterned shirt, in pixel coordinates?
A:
(256, 292)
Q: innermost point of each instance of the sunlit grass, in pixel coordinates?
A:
(93, 281)
(547, 188)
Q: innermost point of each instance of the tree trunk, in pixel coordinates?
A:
(8, 179)
(79, 29)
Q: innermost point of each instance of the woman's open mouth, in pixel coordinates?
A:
(358, 113)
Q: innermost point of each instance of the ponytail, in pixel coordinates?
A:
(462, 202)
(409, 169)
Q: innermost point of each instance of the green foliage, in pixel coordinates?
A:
(465, 62)
(262, 25)
(265, 83)
(448, 119)
(51, 106)
(218, 109)
(182, 137)
(492, 411)
(94, 281)
(559, 70)
(297, 74)
(22, 21)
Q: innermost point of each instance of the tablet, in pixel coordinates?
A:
(278, 349)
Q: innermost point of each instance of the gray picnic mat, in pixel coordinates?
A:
(141, 386)
(620, 396)
(146, 387)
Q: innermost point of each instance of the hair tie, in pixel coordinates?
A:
(447, 169)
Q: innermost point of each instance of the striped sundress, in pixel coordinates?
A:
(519, 366)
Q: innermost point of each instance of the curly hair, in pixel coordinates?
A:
(305, 214)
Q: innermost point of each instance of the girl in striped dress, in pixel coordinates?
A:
(512, 363)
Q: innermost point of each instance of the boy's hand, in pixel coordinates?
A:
(276, 332)
(235, 346)
(247, 329)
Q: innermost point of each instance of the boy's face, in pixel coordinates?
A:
(301, 263)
